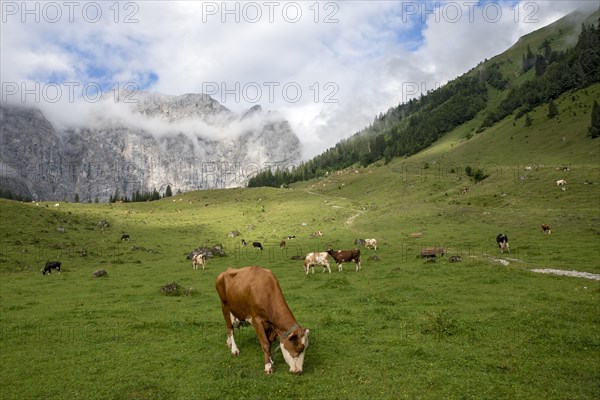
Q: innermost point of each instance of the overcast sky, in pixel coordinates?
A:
(328, 67)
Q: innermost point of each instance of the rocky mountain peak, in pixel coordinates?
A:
(189, 142)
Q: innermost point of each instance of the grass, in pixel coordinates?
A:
(402, 328)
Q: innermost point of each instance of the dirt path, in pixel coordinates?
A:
(586, 275)
(351, 219)
(552, 271)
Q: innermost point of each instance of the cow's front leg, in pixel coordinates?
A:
(340, 269)
(265, 343)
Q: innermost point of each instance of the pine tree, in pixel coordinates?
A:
(547, 48)
(528, 60)
(595, 126)
(168, 192)
(552, 109)
(116, 197)
(76, 198)
(528, 121)
(540, 65)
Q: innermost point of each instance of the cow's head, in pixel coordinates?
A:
(293, 347)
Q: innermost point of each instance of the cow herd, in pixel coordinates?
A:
(253, 295)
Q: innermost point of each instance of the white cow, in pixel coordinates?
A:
(313, 259)
(198, 259)
(561, 182)
(371, 243)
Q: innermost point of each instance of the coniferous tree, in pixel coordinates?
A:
(552, 109)
(594, 129)
(528, 60)
(540, 65)
(168, 192)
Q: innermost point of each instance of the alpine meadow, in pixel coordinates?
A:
(481, 155)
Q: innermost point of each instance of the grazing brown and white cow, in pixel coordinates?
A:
(561, 182)
(282, 244)
(198, 259)
(253, 294)
(313, 259)
(345, 255)
(502, 241)
(546, 229)
(371, 243)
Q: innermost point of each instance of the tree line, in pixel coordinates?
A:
(138, 196)
(555, 74)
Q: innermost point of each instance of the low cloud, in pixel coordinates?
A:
(327, 67)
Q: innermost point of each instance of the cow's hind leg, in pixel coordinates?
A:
(230, 339)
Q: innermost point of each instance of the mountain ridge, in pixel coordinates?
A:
(187, 142)
(512, 82)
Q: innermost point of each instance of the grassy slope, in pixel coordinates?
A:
(401, 328)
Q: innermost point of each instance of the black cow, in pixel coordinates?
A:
(257, 246)
(51, 265)
(359, 242)
(244, 242)
(125, 236)
(502, 241)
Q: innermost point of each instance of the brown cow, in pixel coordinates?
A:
(546, 229)
(432, 252)
(253, 294)
(345, 255)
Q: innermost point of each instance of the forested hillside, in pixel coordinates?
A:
(490, 92)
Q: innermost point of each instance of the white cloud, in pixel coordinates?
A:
(368, 56)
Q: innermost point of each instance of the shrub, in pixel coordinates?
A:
(477, 175)
(175, 289)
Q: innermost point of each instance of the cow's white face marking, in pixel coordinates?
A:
(295, 363)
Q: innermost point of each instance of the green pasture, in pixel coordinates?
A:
(401, 328)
